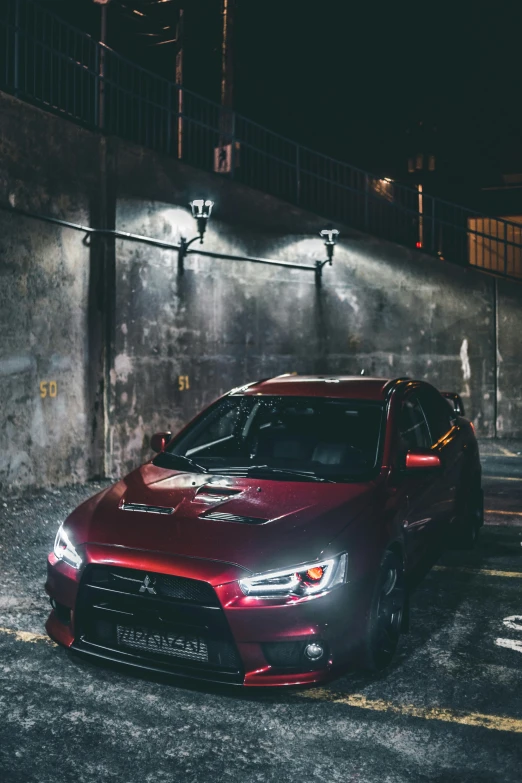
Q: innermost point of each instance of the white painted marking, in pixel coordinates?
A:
(514, 623)
(511, 622)
(510, 644)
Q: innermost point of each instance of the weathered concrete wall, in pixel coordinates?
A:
(381, 308)
(48, 166)
(509, 355)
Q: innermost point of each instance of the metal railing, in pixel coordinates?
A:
(47, 62)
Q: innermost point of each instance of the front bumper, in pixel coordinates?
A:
(268, 637)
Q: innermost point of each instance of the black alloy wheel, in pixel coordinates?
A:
(387, 612)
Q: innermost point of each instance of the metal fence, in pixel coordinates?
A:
(47, 62)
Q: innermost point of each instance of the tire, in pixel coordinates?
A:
(387, 617)
(471, 519)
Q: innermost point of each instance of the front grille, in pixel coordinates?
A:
(136, 582)
(162, 642)
(222, 516)
(283, 654)
(159, 621)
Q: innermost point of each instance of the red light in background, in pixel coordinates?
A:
(418, 244)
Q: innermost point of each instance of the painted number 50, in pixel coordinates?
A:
(48, 389)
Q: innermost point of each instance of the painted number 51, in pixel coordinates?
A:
(183, 383)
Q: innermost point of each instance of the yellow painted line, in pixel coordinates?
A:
(27, 636)
(494, 722)
(505, 453)
(478, 571)
(506, 513)
(502, 478)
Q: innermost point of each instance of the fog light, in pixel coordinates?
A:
(314, 651)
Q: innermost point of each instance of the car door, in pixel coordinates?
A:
(421, 487)
(446, 442)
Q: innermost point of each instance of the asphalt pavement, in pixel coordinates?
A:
(449, 709)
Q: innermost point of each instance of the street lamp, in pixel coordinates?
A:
(330, 238)
(329, 235)
(201, 211)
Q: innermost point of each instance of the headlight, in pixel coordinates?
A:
(307, 579)
(64, 550)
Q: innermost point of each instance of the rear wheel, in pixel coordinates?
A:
(386, 616)
(471, 518)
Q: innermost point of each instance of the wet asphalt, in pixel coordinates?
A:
(63, 718)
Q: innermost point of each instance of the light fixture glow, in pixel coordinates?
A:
(330, 238)
(329, 235)
(201, 208)
(201, 211)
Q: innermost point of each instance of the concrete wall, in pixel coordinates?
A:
(123, 327)
(47, 166)
(509, 358)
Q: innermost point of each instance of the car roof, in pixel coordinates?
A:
(351, 387)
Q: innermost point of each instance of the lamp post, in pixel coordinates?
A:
(201, 211)
(329, 235)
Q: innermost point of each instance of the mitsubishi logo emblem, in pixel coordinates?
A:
(148, 586)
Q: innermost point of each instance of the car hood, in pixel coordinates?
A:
(299, 519)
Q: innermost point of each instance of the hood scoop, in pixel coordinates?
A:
(146, 509)
(215, 493)
(222, 516)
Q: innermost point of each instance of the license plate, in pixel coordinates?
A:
(170, 643)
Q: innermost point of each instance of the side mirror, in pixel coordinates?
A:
(455, 401)
(160, 440)
(422, 459)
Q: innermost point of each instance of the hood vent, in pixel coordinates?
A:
(145, 509)
(214, 493)
(222, 516)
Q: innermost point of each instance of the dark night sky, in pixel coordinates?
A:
(348, 78)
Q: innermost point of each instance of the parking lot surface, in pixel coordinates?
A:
(449, 709)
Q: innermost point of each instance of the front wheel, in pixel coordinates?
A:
(386, 616)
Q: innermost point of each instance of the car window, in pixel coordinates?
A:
(333, 438)
(219, 428)
(413, 430)
(438, 413)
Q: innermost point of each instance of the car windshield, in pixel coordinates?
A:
(280, 437)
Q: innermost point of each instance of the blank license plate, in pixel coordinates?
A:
(165, 642)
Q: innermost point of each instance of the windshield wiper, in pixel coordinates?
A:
(184, 462)
(252, 470)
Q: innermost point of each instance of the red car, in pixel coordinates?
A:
(271, 541)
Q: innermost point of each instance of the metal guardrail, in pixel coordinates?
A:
(47, 62)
